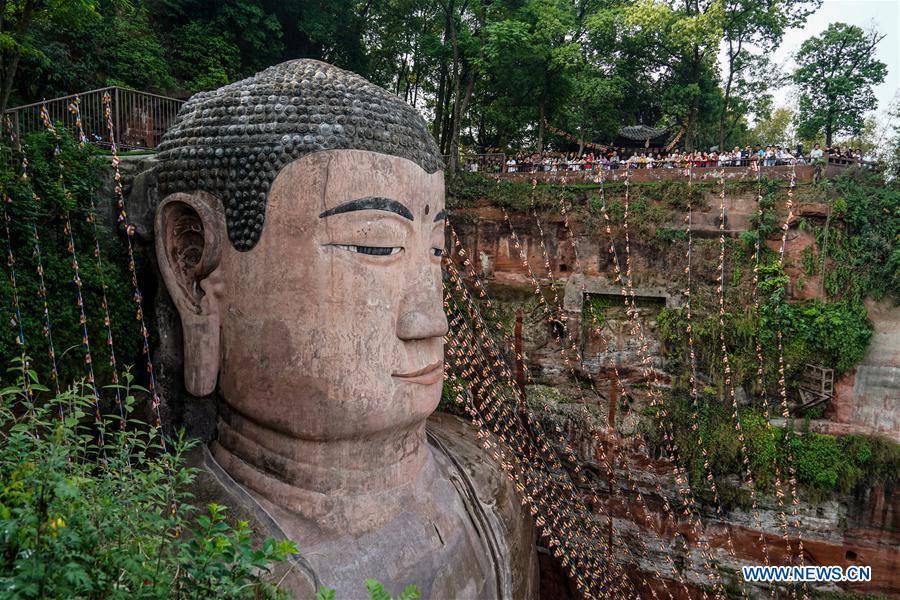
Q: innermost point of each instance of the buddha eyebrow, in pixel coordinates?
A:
(440, 216)
(369, 203)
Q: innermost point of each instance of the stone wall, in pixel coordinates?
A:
(869, 395)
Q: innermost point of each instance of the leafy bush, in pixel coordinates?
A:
(835, 334)
(827, 463)
(818, 460)
(824, 464)
(81, 521)
(666, 235)
(376, 592)
(863, 254)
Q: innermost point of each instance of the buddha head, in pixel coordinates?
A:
(300, 237)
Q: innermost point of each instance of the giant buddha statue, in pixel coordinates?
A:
(299, 235)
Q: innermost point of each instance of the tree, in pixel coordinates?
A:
(18, 19)
(748, 25)
(776, 129)
(214, 43)
(891, 150)
(751, 96)
(684, 37)
(835, 75)
(868, 140)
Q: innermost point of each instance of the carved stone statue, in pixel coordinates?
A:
(300, 237)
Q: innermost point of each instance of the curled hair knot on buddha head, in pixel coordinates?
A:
(233, 141)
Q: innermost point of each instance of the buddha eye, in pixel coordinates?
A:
(370, 250)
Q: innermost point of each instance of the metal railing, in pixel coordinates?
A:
(139, 118)
(554, 162)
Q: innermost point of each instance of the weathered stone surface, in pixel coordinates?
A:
(232, 142)
(323, 344)
(869, 395)
(850, 529)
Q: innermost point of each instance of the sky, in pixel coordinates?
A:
(884, 15)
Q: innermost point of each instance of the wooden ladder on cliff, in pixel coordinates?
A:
(816, 387)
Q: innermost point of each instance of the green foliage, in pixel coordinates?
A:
(667, 236)
(465, 189)
(824, 464)
(450, 401)
(833, 334)
(810, 260)
(836, 72)
(82, 171)
(827, 463)
(776, 128)
(376, 592)
(203, 59)
(491, 74)
(863, 257)
(81, 521)
(765, 220)
(20, 19)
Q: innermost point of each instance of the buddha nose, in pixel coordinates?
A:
(422, 313)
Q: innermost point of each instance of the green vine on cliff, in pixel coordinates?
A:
(84, 172)
(825, 464)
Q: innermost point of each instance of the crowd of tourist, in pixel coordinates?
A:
(767, 156)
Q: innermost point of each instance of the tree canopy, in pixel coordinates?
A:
(485, 73)
(835, 73)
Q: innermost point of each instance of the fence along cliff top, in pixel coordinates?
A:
(140, 118)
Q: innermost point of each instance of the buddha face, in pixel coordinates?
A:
(332, 325)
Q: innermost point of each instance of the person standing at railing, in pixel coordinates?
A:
(785, 157)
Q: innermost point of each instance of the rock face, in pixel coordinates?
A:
(869, 396)
(856, 529)
(847, 530)
(866, 400)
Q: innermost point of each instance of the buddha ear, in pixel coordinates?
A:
(189, 236)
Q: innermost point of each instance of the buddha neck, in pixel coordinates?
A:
(349, 485)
